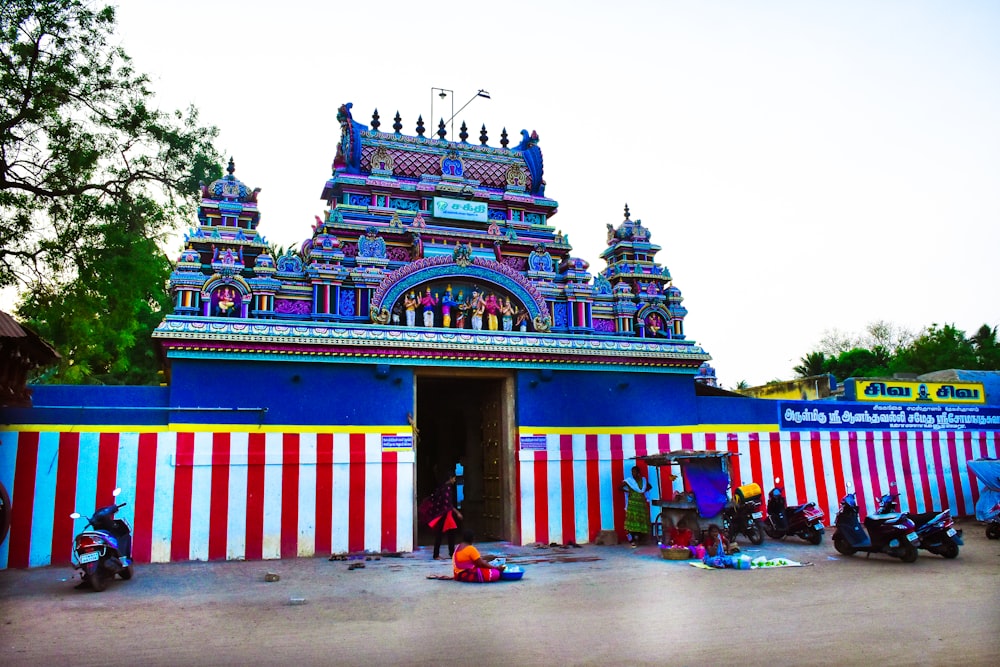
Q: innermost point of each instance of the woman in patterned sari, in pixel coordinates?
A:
(636, 506)
(469, 565)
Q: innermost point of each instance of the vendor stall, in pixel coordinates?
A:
(706, 476)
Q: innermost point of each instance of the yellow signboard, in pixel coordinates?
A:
(892, 391)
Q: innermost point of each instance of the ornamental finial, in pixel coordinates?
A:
(232, 166)
(627, 214)
(482, 135)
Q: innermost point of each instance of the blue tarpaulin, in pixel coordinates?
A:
(709, 480)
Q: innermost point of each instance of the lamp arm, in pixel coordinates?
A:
(463, 107)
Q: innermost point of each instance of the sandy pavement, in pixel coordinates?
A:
(592, 605)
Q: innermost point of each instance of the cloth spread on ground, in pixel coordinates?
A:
(709, 481)
(735, 562)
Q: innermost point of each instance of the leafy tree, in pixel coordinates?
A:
(814, 363)
(938, 348)
(859, 362)
(987, 348)
(92, 179)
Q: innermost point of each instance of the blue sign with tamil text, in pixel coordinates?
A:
(824, 416)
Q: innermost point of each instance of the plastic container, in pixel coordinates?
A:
(746, 491)
(512, 574)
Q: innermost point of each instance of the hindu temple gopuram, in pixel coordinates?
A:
(434, 290)
(431, 236)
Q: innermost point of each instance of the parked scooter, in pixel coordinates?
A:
(936, 530)
(106, 550)
(805, 521)
(744, 514)
(892, 534)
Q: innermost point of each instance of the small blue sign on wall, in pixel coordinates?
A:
(535, 442)
(396, 443)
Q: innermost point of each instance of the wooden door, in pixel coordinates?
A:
(491, 420)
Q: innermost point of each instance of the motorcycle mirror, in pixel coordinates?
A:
(849, 486)
(777, 480)
(116, 492)
(74, 515)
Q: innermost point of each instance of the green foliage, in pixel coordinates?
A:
(938, 348)
(92, 179)
(892, 350)
(813, 363)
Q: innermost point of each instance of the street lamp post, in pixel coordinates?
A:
(443, 93)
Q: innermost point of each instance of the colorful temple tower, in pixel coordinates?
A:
(435, 309)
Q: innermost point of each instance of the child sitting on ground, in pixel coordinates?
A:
(714, 538)
(680, 535)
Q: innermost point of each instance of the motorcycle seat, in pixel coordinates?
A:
(925, 517)
(882, 518)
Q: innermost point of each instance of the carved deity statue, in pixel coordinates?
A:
(428, 301)
(478, 306)
(492, 306)
(410, 304)
(507, 311)
(447, 303)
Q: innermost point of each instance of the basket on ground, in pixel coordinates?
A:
(675, 553)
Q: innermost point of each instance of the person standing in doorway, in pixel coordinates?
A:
(636, 490)
(444, 516)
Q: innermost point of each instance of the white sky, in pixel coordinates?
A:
(805, 166)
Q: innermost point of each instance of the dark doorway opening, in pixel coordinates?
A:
(461, 423)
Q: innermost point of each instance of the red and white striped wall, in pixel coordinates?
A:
(209, 495)
(570, 491)
(250, 495)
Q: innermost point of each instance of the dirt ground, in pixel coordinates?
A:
(605, 605)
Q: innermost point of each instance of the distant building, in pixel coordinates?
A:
(813, 388)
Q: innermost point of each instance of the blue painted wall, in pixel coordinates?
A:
(293, 393)
(92, 404)
(580, 398)
(731, 410)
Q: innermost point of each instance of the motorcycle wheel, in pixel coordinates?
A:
(814, 536)
(756, 532)
(97, 580)
(843, 546)
(909, 554)
(771, 532)
(125, 573)
(949, 549)
(993, 531)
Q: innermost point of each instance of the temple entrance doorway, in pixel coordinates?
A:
(466, 419)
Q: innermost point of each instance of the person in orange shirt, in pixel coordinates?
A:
(469, 565)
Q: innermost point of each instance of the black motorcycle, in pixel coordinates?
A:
(936, 530)
(805, 521)
(892, 534)
(743, 514)
(106, 550)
